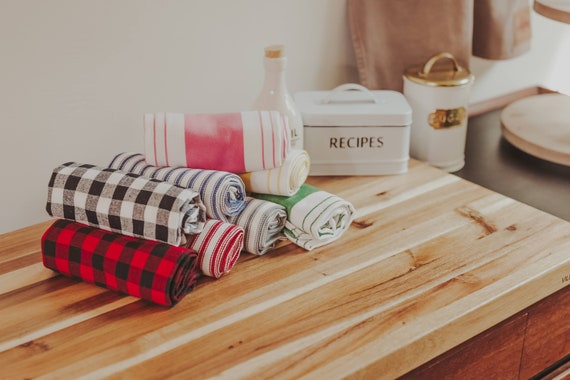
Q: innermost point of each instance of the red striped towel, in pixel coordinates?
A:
(236, 142)
(219, 246)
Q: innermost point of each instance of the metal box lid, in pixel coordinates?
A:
(350, 105)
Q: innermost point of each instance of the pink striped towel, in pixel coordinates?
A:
(236, 142)
(218, 246)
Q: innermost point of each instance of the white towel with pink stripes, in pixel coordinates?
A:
(237, 142)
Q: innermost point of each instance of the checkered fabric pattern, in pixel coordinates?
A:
(263, 223)
(125, 203)
(219, 246)
(222, 193)
(314, 217)
(151, 270)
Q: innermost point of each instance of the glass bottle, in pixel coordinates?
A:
(275, 96)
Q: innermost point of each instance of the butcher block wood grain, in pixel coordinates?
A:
(430, 261)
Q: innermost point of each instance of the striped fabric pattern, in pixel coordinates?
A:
(263, 223)
(236, 142)
(284, 180)
(219, 246)
(124, 203)
(222, 193)
(314, 217)
(151, 270)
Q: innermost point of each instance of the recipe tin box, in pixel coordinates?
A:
(354, 131)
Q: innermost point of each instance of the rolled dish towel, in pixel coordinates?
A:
(236, 142)
(151, 270)
(218, 246)
(263, 223)
(125, 203)
(222, 193)
(314, 217)
(284, 180)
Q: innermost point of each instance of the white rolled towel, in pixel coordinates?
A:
(284, 180)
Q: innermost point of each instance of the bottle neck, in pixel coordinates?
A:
(275, 69)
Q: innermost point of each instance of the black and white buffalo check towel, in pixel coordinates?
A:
(124, 203)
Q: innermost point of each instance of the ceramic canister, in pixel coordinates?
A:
(438, 92)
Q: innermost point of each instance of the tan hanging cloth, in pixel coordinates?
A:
(501, 28)
(391, 35)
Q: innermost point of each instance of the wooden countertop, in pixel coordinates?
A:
(430, 261)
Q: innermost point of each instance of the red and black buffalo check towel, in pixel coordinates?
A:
(151, 270)
(124, 203)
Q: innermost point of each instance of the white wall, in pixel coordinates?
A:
(76, 76)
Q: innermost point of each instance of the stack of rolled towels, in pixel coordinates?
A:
(208, 187)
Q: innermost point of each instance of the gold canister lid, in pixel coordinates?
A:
(434, 75)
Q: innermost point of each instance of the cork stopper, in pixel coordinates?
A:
(274, 51)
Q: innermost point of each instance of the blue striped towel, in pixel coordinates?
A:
(222, 193)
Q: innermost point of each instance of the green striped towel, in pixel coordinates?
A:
(314, 216)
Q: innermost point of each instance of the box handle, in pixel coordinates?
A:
(348, 87)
